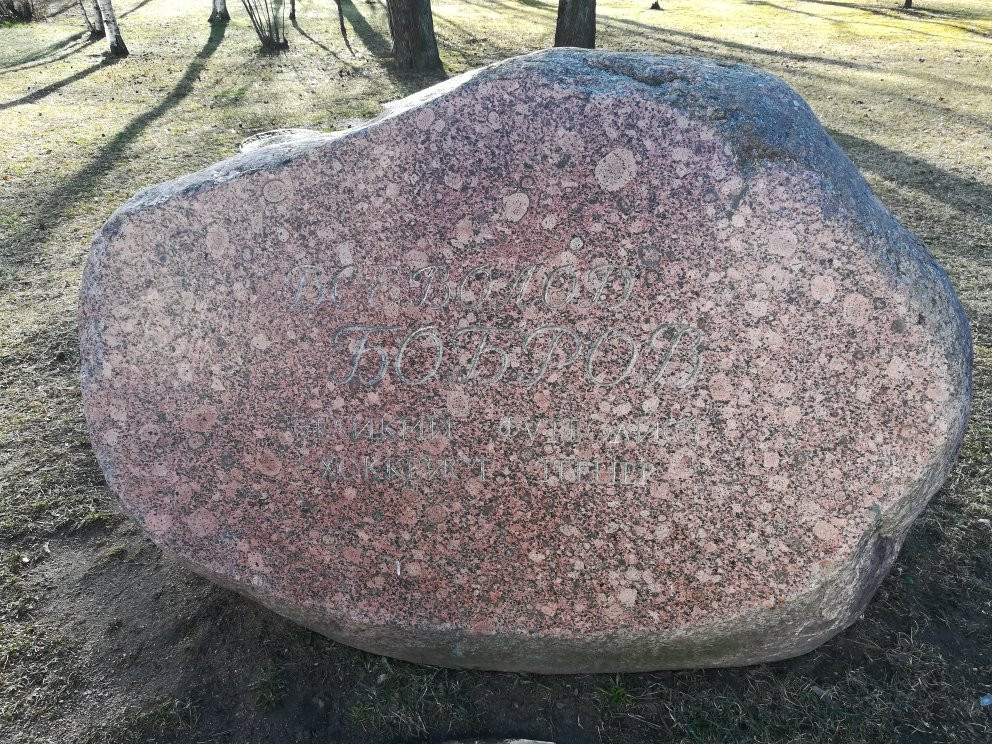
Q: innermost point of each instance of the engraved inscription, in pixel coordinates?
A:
(558, 430)
(523, 433)
(349, 428)
(482, 287)
(499, 342)
(607, 358)
(416, 469)
(597, 472)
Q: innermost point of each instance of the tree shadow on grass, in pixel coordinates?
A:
(63, 9)
(808, 14)
(308, 37)
(727, 48)
(966, 195)
(774, 54)
(381, 46)
(65, 195)
(130, 10)
(607, 22)
(926, 15)
(37, 95)
(38, 54)
(374, 40)
(461, 42)
(67, 53)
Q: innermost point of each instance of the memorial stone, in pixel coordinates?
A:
(580, 362)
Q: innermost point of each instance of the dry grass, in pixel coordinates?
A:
(102, 640)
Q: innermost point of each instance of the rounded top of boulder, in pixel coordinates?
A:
(582, 361)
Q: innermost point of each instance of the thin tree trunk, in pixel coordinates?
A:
(268, 20)
(86, 17)
(414, 43)
(344, 31)
(908, 4)
(219, 13)
(117, 46)
(98, 31)
(392, 34)
(292, 10)
(576, 24)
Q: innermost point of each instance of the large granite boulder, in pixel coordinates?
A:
(583, 361)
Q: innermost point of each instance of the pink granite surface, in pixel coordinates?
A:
(582, 362)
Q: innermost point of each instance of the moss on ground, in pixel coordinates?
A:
(102, 640)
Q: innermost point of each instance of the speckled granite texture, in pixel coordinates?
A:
(583, 361)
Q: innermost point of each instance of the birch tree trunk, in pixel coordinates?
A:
(86, 17)
(117, 46)
(576, 24)
(98, 31)
(414, 43)
(219, 12)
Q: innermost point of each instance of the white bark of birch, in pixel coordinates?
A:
(219, 13)
(117, 46)
(98, 31)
